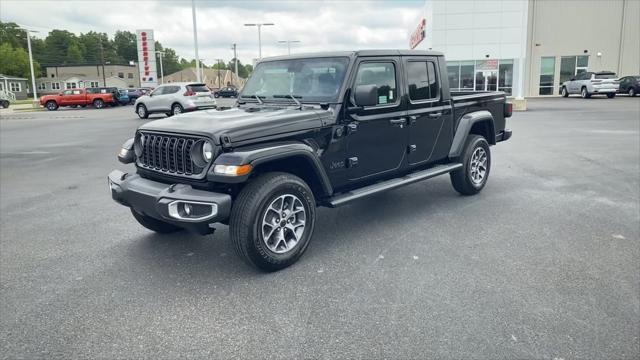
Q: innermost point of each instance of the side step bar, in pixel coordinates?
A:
(356, 194)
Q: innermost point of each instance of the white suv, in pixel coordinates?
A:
(174, 99)
(591, 83)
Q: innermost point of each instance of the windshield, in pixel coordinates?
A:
(308, 80)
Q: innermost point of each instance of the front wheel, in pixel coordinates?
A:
(142, 111)
(476, 163)
(632, 92)
(4, 104)
(51, 105)
(564, 92)
(98, 103)
(154, 224)
(272, 221)
(611, 96)
(584, 93)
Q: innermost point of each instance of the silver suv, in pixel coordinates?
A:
(591, 83)
(174, 99)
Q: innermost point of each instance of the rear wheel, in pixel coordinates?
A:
(632, 92)
(176, 109)
(51, 105)
(154, 224)
(4, 104)
(98, 103)
(564, 92)
(142, 111)
(611, 96)
(272, 221)
(476, 163)
(584, 93)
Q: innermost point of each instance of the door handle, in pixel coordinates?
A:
(398, 121)
(435, 115)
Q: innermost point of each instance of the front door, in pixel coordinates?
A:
(377, 135)
(66, 98)
(428, 137)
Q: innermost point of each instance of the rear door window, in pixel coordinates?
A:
(421, 77)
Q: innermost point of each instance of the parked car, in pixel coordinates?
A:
(228, 91)
(123, 97)
(591, 83)
(347, 125)
(174, 99)
(76, 97)
(5, 100)
(134, 94)
(629, 85)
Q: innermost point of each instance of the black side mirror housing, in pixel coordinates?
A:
(366, 95)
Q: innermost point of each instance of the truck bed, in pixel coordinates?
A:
(467, 101)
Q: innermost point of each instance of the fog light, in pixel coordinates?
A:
(192, 210)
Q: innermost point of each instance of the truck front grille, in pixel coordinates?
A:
(170, 154)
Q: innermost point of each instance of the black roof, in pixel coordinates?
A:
(358, 53)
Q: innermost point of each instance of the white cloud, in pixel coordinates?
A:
(319, 25)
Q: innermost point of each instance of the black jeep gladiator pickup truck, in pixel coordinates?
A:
(309, 130)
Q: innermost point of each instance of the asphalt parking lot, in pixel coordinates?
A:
(544, 263)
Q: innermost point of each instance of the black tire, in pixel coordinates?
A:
(176, 109)
(632, 92)
(83, 106)
(564, 92)
(51, 105)
(154, 224)
(584, 93)
(98, 103)
(216, 95)
(4, 104)
(142, 112)
(462, 179)
(611, 96)
(251, 208)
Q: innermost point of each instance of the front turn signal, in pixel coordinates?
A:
(232, 170)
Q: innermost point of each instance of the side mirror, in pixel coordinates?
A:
(366, 95)
(60, 93)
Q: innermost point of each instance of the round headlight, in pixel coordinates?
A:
(207, 151)
(138, 145)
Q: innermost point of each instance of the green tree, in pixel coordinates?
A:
(12, 34)
(74, 54)
(15, 61)
(57, 43)
(125, 45)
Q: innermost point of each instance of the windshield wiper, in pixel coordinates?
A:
(292, 97)
(257, 97)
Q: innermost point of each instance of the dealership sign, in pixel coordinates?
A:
(418, 35)
(491, 64)
(147, 58)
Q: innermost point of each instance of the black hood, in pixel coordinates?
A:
(241, 124)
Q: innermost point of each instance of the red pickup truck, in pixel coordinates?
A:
(76, 97)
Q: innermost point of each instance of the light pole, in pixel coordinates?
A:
(195, 38)
(219, 61)
(259, 25)
(288, 42)
(161, 70)
(200, 70)
(33, 75)
(235, 59)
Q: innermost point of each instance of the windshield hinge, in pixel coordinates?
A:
(226, 141)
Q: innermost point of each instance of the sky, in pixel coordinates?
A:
(318, 25)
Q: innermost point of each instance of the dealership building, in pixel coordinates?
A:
(529, 47)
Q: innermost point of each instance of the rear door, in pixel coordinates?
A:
(377, 139)
(425, 110)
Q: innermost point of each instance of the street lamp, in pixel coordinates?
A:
(259, 25)
(218, 61)
(235, 59)
(161, 70)
(288, 42)
(33, 75)
(195, 37)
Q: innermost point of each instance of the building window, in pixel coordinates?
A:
(547, 71)
(466, 75)
(93, 84)
(55, 86)
(453, 73)
(130, 76)
(505, 76)
(70, 85)
(42, 86)
(570, 66)
(121, 75)
(15, 87)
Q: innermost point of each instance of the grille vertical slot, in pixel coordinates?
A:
(169, 154)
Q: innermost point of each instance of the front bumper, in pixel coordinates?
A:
(160, 201)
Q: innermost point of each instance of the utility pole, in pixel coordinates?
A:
(33, 75)
(161, 70)
(104, 77)
(218, 61)
(259, 25)
(288, 42)
(195, 39)
(235, 58)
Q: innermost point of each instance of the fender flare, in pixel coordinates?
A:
(259, 155)
(464, 127)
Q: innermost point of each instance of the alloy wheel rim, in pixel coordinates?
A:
(176, 110)
(478, 166)
(631, 92)
(283, 223)
(141, 111)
